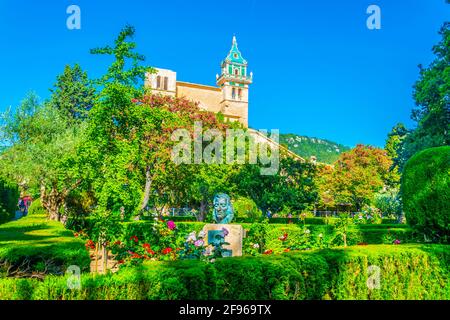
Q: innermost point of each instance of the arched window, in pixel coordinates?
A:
(239, 94)
(236, 72)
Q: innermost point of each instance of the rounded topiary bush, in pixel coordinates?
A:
(425, 190)
(246, 208)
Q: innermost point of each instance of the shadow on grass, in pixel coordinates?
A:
(34, 238)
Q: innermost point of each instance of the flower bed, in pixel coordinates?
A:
(298, 237)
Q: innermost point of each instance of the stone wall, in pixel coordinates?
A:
(209, 98)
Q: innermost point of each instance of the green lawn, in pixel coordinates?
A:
(37, 240)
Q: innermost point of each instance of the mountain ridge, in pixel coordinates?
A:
(324, 150)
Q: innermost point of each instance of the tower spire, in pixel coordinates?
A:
(234, 82)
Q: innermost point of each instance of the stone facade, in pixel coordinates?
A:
(234, 238)
(230, 97)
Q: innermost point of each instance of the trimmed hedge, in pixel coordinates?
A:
(406, 272)
(425, 191)
(9, 196)
(308, 221)
(176, 218)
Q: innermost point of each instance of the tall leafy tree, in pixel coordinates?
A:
(73, 93)
(182, 184)
(326, 187)
(395, 150)
(123, 53)
(43, 154)
(359, 174)
(115, 118)
(114, 138)
(394, 142)
(292, 187)
(432, 96)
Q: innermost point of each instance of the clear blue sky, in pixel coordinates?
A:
(318, 70)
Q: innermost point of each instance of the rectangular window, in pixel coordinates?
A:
(158, 82)
(240, 94)
(166, 83)
(233, 93)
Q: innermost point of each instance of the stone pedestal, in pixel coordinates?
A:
(234, 237)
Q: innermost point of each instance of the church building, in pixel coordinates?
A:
(230, 96)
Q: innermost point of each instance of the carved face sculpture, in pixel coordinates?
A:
(223, 211)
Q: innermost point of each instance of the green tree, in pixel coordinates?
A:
(116, 147)
(395, 144)
(42, 155)
(431, 93)
(129, 148)
(292, 187)
(73, 93)
(326, 187)
(388, 202)
(123, 53)
(185, 184)
(359, 174)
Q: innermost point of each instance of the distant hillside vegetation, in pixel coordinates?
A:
(324, 150)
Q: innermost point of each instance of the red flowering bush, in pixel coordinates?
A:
(160, 244)
(90, 245)
(148, 249)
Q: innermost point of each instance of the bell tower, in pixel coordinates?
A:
(234, 82)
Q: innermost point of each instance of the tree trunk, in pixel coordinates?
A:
(105, 258)
(53, 201)
(96, 258)
(148, 186)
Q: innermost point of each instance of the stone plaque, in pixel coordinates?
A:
(234, 238)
